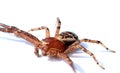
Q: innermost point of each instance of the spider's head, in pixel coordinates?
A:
(68, 37)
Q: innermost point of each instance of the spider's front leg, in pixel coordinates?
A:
(22, 34)
(41, 28)
(97, 42)
(77, 45)
(58, 28)
(8, 29)
(36, 52)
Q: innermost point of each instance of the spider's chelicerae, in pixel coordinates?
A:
(58, 46)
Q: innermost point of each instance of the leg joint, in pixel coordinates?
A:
(58, 27)
(98, 42)
(91, 54)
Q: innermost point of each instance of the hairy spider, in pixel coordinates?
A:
(71, 42)
(58, 46)
(49, 46)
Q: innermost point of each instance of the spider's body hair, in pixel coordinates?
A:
(68, 37)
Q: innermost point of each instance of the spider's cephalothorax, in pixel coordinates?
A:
(68, 37)
(58, 46)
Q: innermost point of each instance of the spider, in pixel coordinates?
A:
(49, 46)
(58, 46)
(71, 43)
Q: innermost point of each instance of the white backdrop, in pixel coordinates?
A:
(91, 19)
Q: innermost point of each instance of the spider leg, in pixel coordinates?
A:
(40, 47)
(76, 45)
(72, 47)
(58, 27)
(67, 59)
(36, 52)
(3, 25)
(2, 29)
(41, 28)
(7, 28)
(91, 54)
(97, 42)
(25, 35)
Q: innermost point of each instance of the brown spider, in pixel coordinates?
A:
(71, 43)
(58, 46)
(49, 46)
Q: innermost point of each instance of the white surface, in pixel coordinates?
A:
(89, 19)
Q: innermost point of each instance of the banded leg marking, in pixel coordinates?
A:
(76, 45)
(91, 54)
(41, 28)
(97, 42)
(58, 27)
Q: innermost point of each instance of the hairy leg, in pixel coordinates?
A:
(8, 29)
(91, 54)
(77, 45)
(3, 25)
(41, 28)
(67, 59)
(58, 27)
(72, 47)
(97, 42)
(36, 52)
(20, 33)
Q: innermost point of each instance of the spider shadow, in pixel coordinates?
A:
(77, 67)
(84, 44)
(17, 40)
(78, 52)
(80, 69)
(54, 58)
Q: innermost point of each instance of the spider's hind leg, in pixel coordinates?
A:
(97, 42)
(72, 47)
(77, 45)
(91, 54)
(67, 59)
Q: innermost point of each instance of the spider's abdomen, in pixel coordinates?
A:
(68, 37)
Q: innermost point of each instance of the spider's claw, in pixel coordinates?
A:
(112, 51)
(102, 67)
(3, 25)
(37, 54)
(73, 68)
(58, 20)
